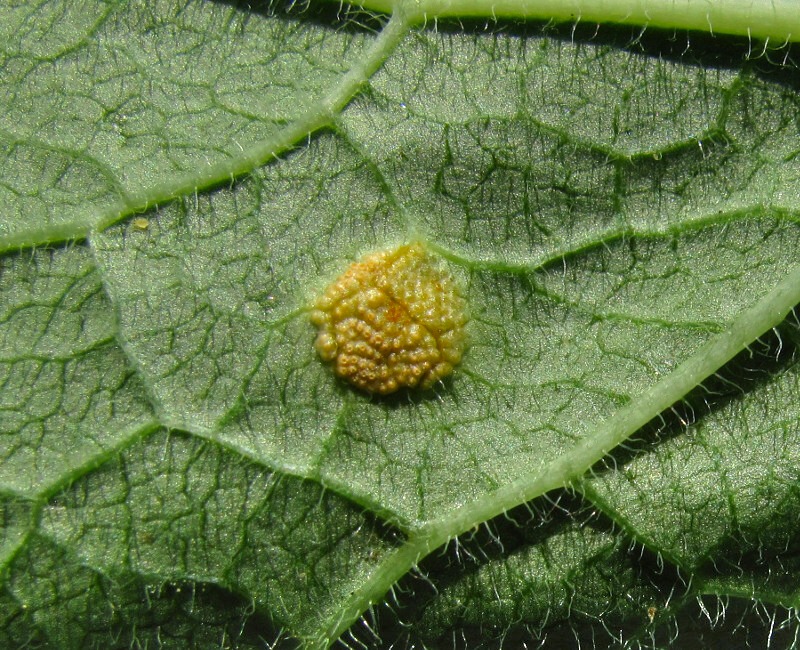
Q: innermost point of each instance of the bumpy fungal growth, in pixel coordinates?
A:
(392, 320)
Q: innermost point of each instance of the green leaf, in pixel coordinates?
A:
(616, 459)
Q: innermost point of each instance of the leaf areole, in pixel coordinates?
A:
(394, 319)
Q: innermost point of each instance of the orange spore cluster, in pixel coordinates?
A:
(392, 320)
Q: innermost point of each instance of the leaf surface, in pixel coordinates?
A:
(178, 466)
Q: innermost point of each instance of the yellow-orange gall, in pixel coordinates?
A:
(394, 319)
